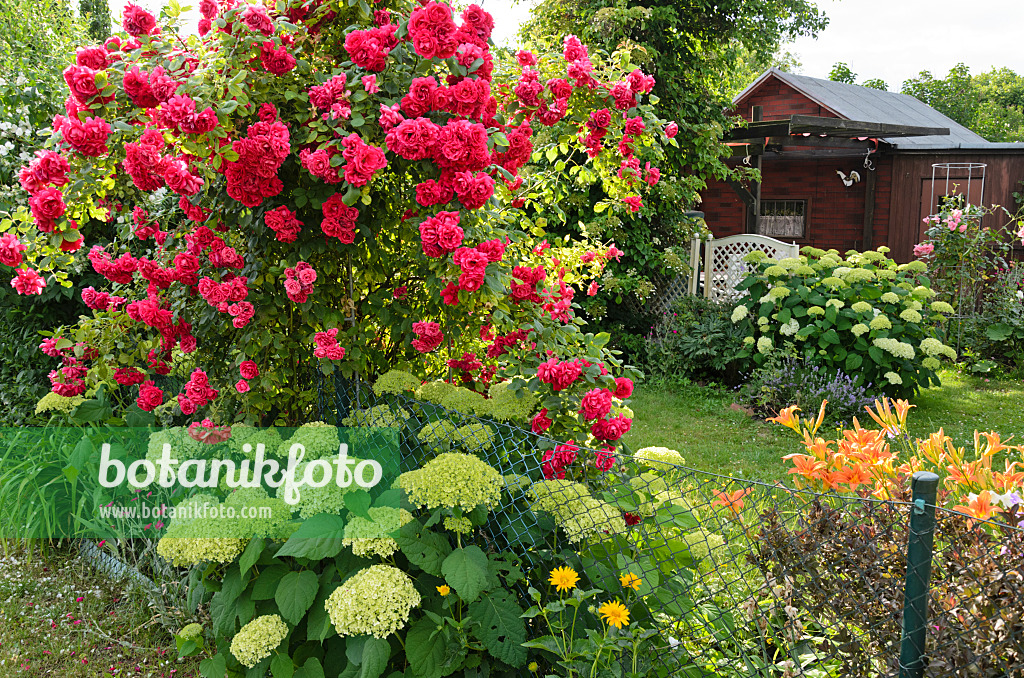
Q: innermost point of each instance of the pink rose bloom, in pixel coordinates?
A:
(429, 336)
(242, 386)
(593, 288)
(248, 369)
(596, 403)
(671, 129)
(923, 250)
(623, 388)
(370, 84)
(28, 282)
(256, 19)
(137, 21)
(540, 422)
(10, 250)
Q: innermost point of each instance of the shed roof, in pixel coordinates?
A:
(855, 102)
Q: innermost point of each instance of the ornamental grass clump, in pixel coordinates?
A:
(258, 639)
(863, 316)
(375, 602)
(453, 480)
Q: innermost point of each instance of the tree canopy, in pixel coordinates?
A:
(991, 104)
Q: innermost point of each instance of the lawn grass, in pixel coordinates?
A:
(59, 618)
(699, 422)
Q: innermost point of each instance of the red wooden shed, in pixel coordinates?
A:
(850, 167)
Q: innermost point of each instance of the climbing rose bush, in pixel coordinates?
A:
(322, 184)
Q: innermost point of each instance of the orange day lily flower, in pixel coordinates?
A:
(788, 418)
(733, 500)
(980, 506)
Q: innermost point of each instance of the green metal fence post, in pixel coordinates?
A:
(919, 569)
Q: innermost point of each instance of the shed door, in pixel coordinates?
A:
(972, 189)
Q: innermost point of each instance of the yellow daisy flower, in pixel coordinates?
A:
(630, 581)
(614, 613)
(443, 590)
(564, 578)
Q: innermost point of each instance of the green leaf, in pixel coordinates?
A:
(317, 538)
(501, 630)
(282, 667)
(265, 585)
(424, 549)
(853, 362)
(996, 332)
(295, 594)
(136, 417)
(250, 555)
(831, 337)
(358, 503)
(214, 667)
(311, 669)
(465, 570)
(376, 653)
(92, 411)
(426, 654)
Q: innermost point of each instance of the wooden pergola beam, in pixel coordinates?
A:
(832, 127)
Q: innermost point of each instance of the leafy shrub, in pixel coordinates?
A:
(787, 379)
(863, 315)
(695, 340)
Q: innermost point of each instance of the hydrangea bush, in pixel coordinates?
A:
(863, 314)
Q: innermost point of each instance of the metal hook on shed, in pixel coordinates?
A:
(746, 161)
(868, 165)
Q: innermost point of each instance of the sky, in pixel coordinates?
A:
(889, 39)
(896, 39)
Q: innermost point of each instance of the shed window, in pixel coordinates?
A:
(783, 218)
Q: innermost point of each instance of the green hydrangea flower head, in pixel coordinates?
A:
(791, 263)
(434, 391)
(931, 363)
(886, 274)
(254, 436)
(739, 313)
(776, 271)
(910, 315)
(575, 510)
(258, 639)
(185, 551)
(748, 341)
(872, 256)
(265, 516)
(374, 537)
(661, 458)
(329, 498)
(183, 446)
(396, 382)
(833, 282)
(900, 349)
(815, 310)
(804, 270)
(474, 437)
(191, 632)
(453, 479)
(789, 328)
(378, 416)
(916, 266)
(921, 292)
(764, 344)
(460, 525)
(894, 378)
(858, 275)
(862, 307)
(317, 438)
(509, 405)
(464, 401)
(779, 292)
(812, 252)
(880, 322)
(755, 257)
(838, 303)
(942, 307)
(891, 298)
(859, 329)
(375, 601)
(437, 434)
(52, 402)
(702, 546)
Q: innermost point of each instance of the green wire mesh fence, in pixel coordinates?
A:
(736, 578)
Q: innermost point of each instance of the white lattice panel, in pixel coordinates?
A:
(724, 267)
